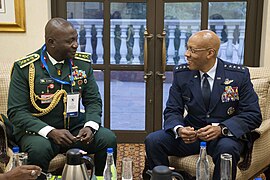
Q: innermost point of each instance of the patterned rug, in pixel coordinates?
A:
(134, 151)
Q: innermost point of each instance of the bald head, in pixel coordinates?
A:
(61, 39)
(202, 50)
(55, 25)
(207, 39)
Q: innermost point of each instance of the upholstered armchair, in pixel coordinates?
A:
(58, 162)
(259, 159)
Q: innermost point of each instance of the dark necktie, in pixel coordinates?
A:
(58, 67)
(206, 91)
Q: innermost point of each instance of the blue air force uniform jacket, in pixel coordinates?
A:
(233, 102)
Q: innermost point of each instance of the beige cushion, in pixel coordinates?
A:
(5, 70)
(57, 162)
(261, 87)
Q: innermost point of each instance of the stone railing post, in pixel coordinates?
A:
(100, 49)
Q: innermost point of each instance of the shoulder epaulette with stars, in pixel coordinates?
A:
(182, 67)
(27, 60)
(234, 67)
(83, 56)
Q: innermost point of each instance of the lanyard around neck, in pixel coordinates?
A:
(47, 69)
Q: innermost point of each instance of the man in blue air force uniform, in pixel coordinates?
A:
(221, 103)
(44, 96)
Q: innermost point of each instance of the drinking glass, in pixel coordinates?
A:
(225, 166)
(127, 169)
(23, 157)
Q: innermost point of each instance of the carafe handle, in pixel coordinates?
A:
(89, 164)
(177, 176)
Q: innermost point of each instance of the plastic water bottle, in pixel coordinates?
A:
(15, 157)
(18, 158)
(109, 172)
(202, 165)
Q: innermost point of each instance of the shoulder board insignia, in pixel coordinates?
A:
(27, 60)
(83, 56)
(234, 67)
(182, 67)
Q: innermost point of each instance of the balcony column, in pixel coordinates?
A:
(112, 47)
(240, 51)
(136, 47)
(99, 45)
(229, 49)
(182, 48)
(218, 32)
(123, 47)
(77, 28)
(88, 47)
(170, 50)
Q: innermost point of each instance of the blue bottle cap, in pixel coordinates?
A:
(203, 144)
(16, 149)
(109, 150)
(258, 178)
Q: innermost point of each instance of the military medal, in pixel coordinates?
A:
(51, 86)
(230, 94)
(73, 83)
(230, 111)
(227, 81)
(80, 82)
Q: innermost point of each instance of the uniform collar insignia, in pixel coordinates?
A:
(228, 81)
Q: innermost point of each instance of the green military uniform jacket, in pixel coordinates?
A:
(20, 108)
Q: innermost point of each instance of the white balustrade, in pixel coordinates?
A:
(229, 51)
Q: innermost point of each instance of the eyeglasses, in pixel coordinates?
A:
(194, 50)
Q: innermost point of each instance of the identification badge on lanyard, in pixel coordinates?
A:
(73, 104)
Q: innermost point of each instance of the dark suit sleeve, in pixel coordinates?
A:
(249, 116)
(173, 114)
(19, 102)
(91, 99)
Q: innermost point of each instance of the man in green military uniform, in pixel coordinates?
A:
(44, 95)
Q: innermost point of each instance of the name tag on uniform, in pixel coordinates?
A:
(73, 104)
(46, 81)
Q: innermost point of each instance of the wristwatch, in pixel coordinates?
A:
(224, 130)
(93, 130)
